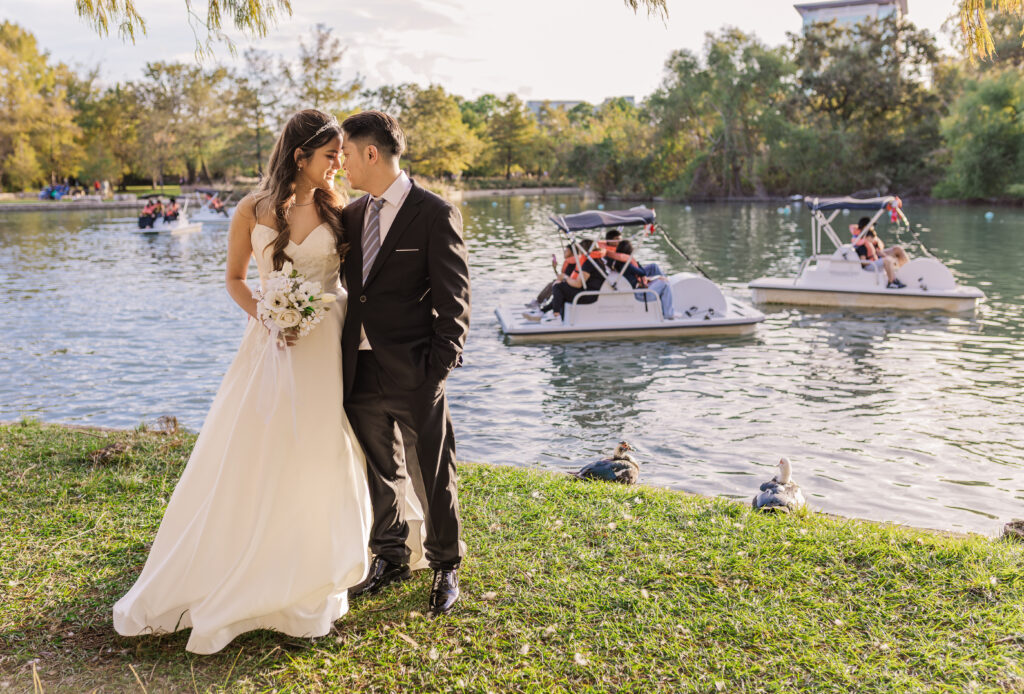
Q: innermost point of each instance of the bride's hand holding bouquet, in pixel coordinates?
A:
(289, 305)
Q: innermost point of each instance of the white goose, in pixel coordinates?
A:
(781, 493)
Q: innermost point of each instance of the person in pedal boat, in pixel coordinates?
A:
(875, 256)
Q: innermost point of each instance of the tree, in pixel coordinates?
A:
(205, 123)
(616, 151)
(21, 165)
(316, 80)
(36, 123)
(161, 97)
(511, 129)
(391, 99)
(556, 137)
(57, 137)
(985, 132)
(439, 141)
(866, 91)
(716, 115)
(256, 103)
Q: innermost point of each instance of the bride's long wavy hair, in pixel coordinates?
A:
(305, 131)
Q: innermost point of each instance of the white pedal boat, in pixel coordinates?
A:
(206, 211)
(208, 214)
(621, 312)
(838, 278)
(181, 225)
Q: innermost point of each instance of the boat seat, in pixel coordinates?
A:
(845, 260)
(617, 304)
(697, 297)
(926, 274)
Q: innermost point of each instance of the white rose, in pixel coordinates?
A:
(287, 319)
(287, 268)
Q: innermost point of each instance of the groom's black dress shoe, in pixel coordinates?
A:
(445, 591)
(382, 574)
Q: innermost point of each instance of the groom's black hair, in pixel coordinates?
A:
(380, 128)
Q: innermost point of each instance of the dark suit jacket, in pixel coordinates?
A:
(415, 305)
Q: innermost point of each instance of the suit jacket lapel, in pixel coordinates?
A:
(406, 214)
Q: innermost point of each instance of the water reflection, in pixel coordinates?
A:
(909, 417)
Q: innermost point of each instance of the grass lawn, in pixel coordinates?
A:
(168, 190)
(569, 586)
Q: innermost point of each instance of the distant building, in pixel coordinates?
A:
(850, 12)
(535, 106)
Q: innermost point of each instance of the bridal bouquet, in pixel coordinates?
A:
(289, 304)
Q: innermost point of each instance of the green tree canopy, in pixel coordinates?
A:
(985, 132)
(316, 80)
(715, 115)
(36, 122)
(512, 129)
(439, 141)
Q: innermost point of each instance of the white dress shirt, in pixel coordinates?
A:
(393, 198)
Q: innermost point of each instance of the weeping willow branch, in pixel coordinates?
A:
(253, 17)
(653, 7)
(974, 25)
(102, 13)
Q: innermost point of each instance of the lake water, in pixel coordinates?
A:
(906, 417)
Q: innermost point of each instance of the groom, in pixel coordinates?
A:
(408, 315)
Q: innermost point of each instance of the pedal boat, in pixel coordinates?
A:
(838, 279)
(621, 312)
(181, 225)
(207, 212)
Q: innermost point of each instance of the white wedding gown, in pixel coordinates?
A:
(269, 523)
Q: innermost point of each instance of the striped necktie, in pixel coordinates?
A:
(371, 236)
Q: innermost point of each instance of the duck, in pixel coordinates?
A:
(621, 467)
(1014, 530)
(780, 493)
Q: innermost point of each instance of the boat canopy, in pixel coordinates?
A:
(599, 219)
(849, 203)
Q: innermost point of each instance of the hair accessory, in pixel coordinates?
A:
(331, 123)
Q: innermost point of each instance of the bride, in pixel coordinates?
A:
(269, 523)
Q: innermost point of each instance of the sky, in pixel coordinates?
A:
(539, 49)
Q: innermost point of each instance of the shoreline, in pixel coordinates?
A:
(44, 206)
(145, 427)
(459, 195)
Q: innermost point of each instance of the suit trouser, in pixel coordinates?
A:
(377, 408)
